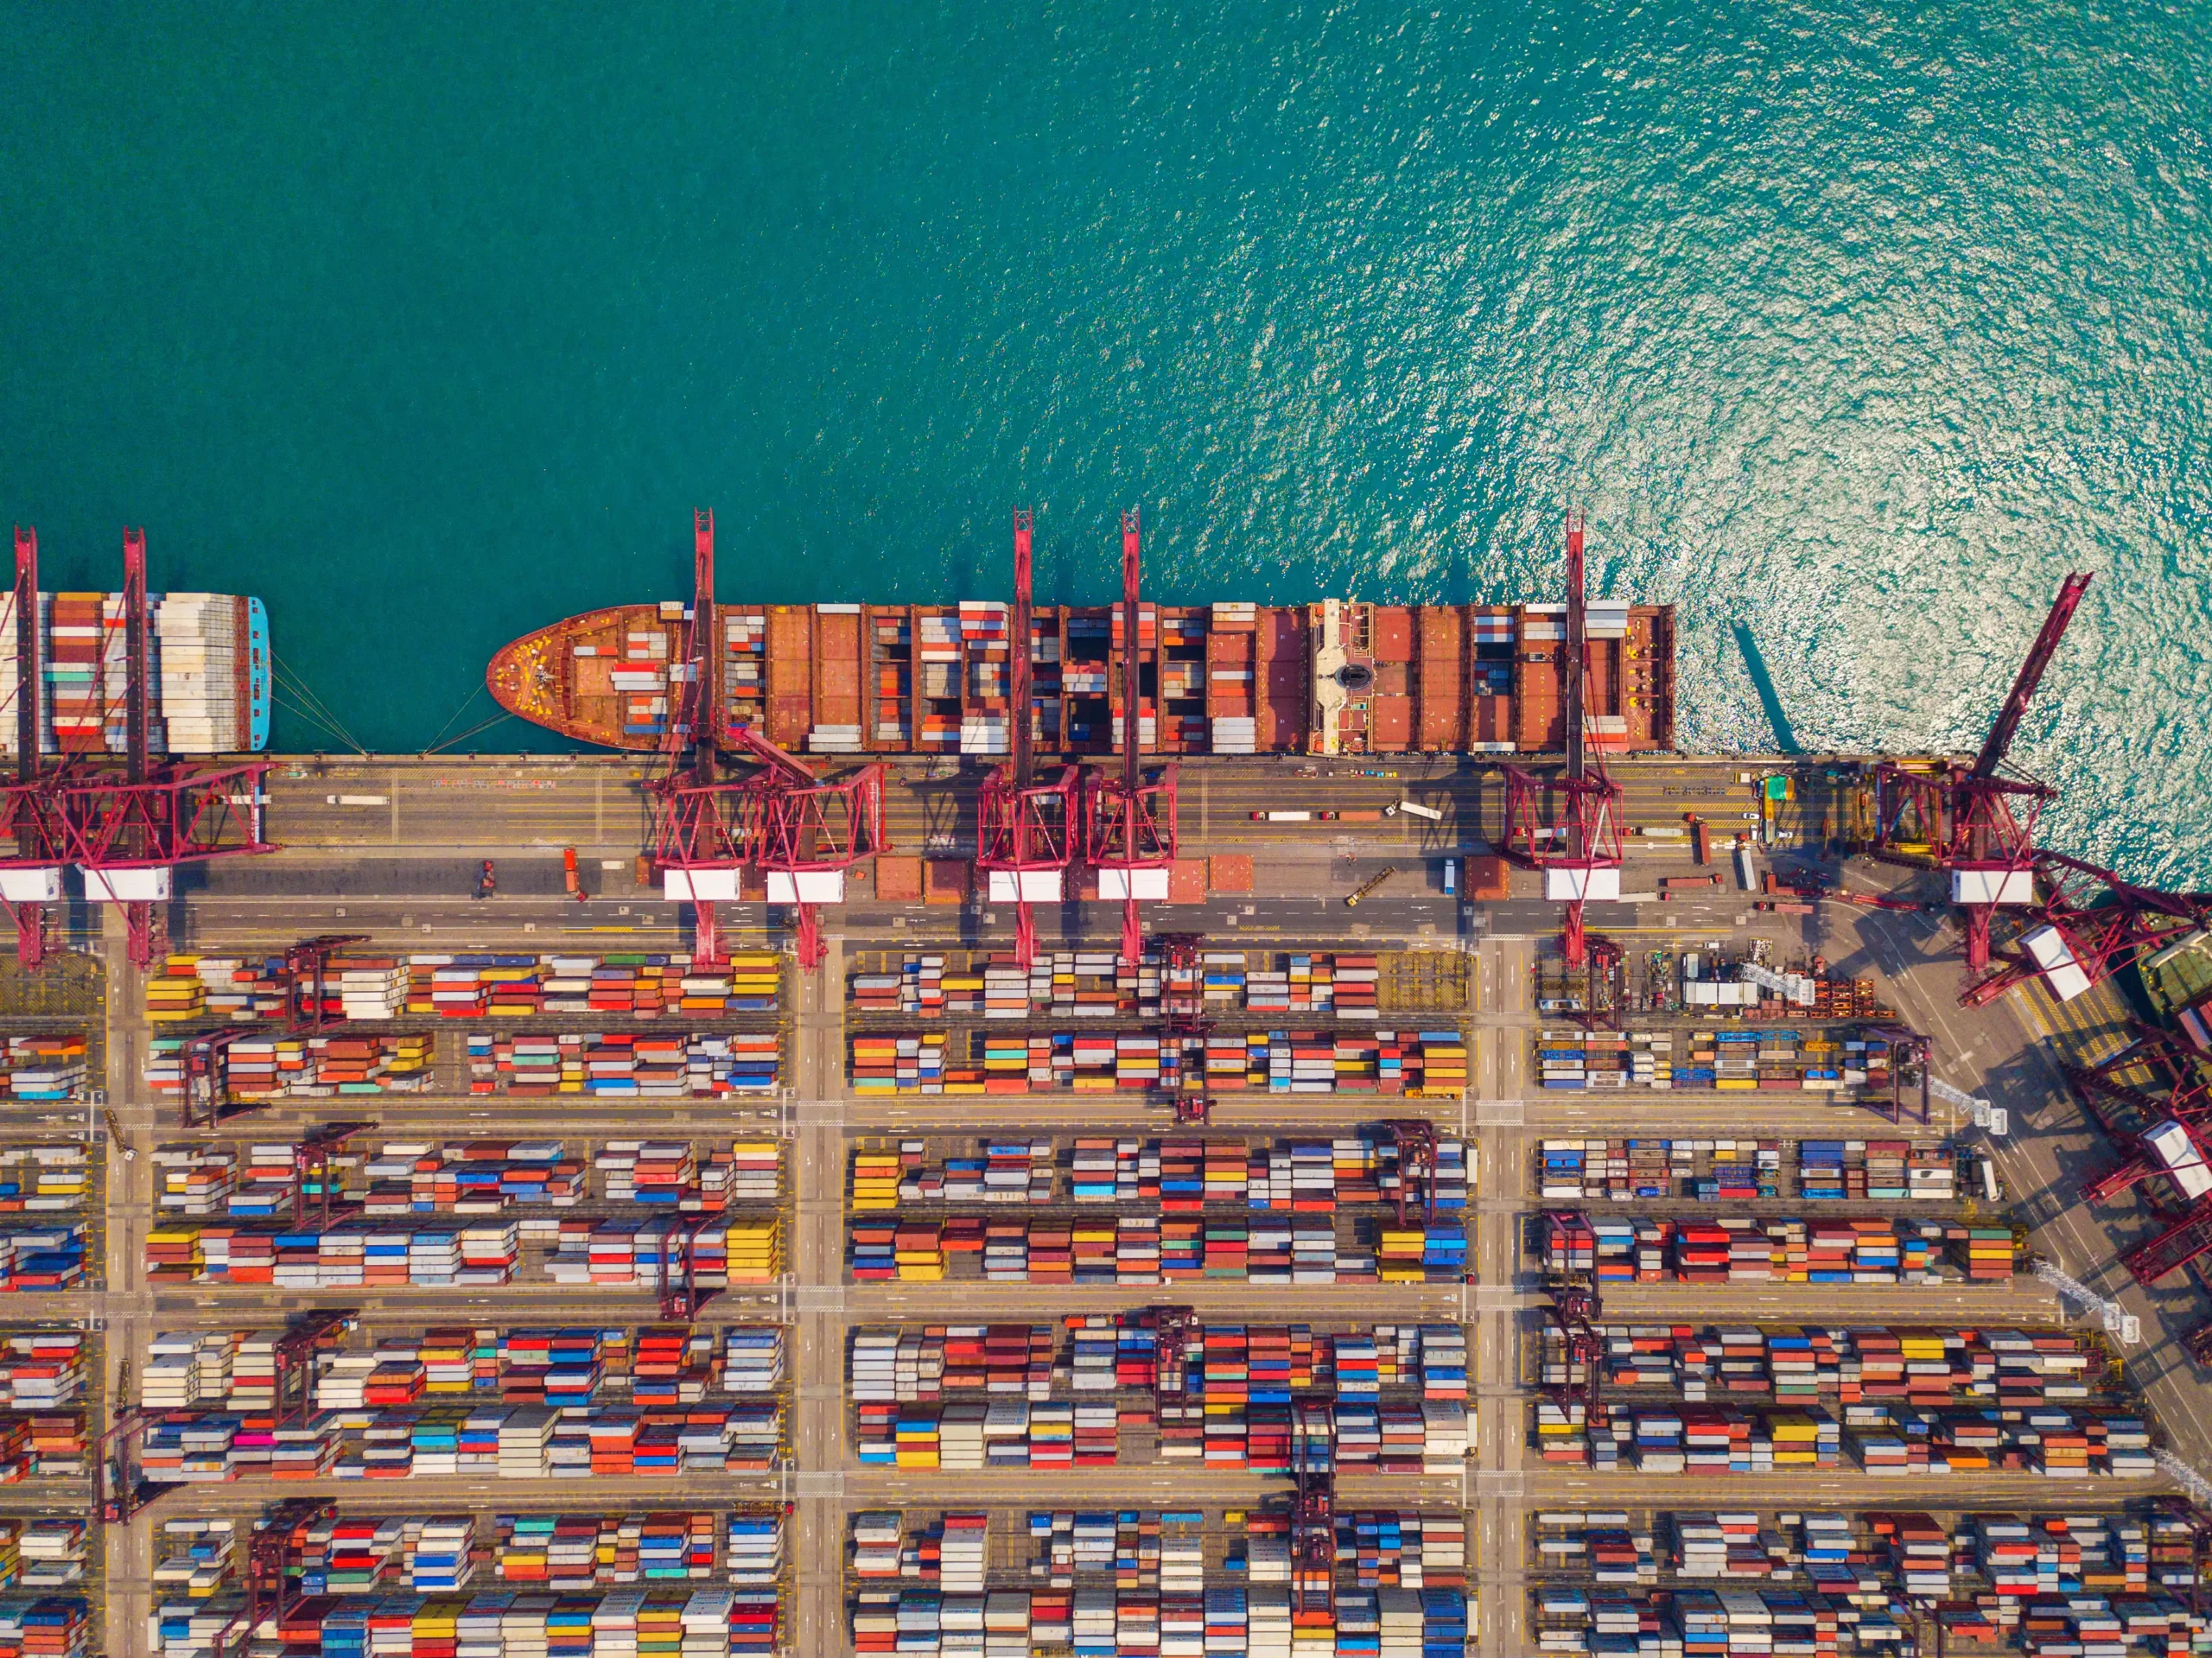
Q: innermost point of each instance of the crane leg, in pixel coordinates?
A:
(1572, 942)
(706, 943)
(145, 935)
(1977, 917)
(807, 931)
(1025, 936)
(30, 935)
(1132, 933)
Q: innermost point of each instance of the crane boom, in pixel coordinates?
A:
(703, 694)
(1023, 759)
(27, 675)
(1577, 647)
(1130, 725)
(134, 646)
(1994, 746)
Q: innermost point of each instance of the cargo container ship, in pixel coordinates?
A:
(1336, 677)
(209, 674)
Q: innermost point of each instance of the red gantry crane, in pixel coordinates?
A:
(802, 834)
(2152, 1101)
(1184, 1024)
(307, 980)
(33, 842)
(2089, 925)
(1581, 860)
(698, 837)
(681, 1294)
(1028, 834)
(1414, 1140)
(128, 834)
(1979, 822)
(1129, 829)
(1574, 1312)
(807, 835)
(127, 829)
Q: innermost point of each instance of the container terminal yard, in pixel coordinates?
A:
(1347, 1195)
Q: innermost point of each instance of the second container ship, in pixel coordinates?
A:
(209, 690)
(1336, 677)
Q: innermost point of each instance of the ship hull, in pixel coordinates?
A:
(1334, 677)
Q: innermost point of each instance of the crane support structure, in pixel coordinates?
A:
(127, 829)
(801, 834)
(1978, 822)
(1313, 1514)
(1027, 833)
(307, 979)
(1581, 858)
(33, 844)
(1129, 827)
(1574, 1312)
(806, 835)
(697, 840)
(2089, 925)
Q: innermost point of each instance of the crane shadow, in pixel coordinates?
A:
(1785, 737)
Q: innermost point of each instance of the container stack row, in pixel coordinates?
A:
(1731, 1250)
(262, 1180)
(1176, 1174)
(1411, 1064)
(1146, 1249)
(1745, 1171)
(701, 1583)
(615, 1254)
(1844, 1063)
(244, 989)
(1138, 1582)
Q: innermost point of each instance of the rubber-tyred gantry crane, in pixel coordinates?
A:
(1574, 1312)
(1313, 1513)
(1414, 1137)
(682, 1295)
(307, 979)
(1130, 820)
(1978, 822)
(271, 1588)
(1028, 834)
(1581, 858)
(1183, 1025)
(803, 834)
(1173, 1329)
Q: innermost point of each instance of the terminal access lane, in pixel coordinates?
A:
(388, 807)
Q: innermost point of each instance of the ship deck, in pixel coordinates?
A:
(1333, 677)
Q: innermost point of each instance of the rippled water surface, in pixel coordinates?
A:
(1854, 327)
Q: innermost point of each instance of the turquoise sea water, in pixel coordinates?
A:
(1852, 325)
